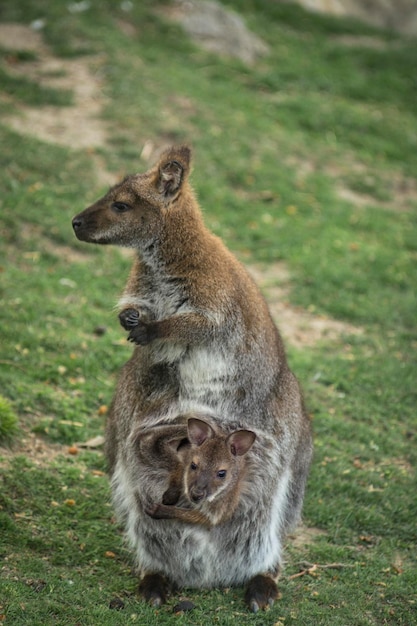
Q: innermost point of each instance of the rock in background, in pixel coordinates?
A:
(396, 15)
(217, 29)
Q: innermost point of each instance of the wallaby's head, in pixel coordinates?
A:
(131, 211)
(214, 460)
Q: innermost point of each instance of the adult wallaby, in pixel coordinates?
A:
(206, 343)
(212, 472)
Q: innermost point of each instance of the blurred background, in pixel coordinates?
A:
(302, 120)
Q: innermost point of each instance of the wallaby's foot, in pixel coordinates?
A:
(261, 592)
(142, 334)
(154, 588)
(129, 318)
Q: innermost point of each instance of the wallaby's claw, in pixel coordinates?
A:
(141, 334)
(129, 318)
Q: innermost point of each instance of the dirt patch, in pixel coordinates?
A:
(40, 452)
(298, 327)
(77, 126)
(364, 41)
(402, 189)
(303, 536)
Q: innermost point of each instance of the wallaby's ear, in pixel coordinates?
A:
(173, 169)
(176, 443)
(199, 431)
(145, 441)
(240, 441)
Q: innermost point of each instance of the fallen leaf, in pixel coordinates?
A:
(95, 442)
(109, 555)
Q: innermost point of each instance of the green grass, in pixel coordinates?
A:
(8, 421)
(273, 144)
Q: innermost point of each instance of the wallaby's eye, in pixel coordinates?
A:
(221, 474)
(193, 466)
(120, 207)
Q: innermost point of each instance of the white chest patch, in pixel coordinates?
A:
(205, 376)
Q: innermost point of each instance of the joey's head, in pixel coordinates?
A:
(215, 460)
(131, 212)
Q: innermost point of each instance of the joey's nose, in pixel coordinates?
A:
(196, 496)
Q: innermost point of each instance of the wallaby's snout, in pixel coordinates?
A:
(77, 224)
(84, 225)
(197, 494)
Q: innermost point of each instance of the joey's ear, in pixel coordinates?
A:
(199, 431)
(240, 441)
(173, 169)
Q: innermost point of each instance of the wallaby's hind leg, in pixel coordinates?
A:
(261, 592)
(154, 588)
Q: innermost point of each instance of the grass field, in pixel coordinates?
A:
(305, 161)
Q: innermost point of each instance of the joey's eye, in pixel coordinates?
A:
(221, 474)
(193, 466)
(120, 207)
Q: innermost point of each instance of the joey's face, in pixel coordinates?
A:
(216, 463)
(207, 478)
(124, 216)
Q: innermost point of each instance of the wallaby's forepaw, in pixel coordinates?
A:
(156, 511)
(151, 509)
(261, 593)
(141, 334)
(154, 588)
(129, 318)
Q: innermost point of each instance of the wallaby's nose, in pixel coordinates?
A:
(76, 223)
(197, 495)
